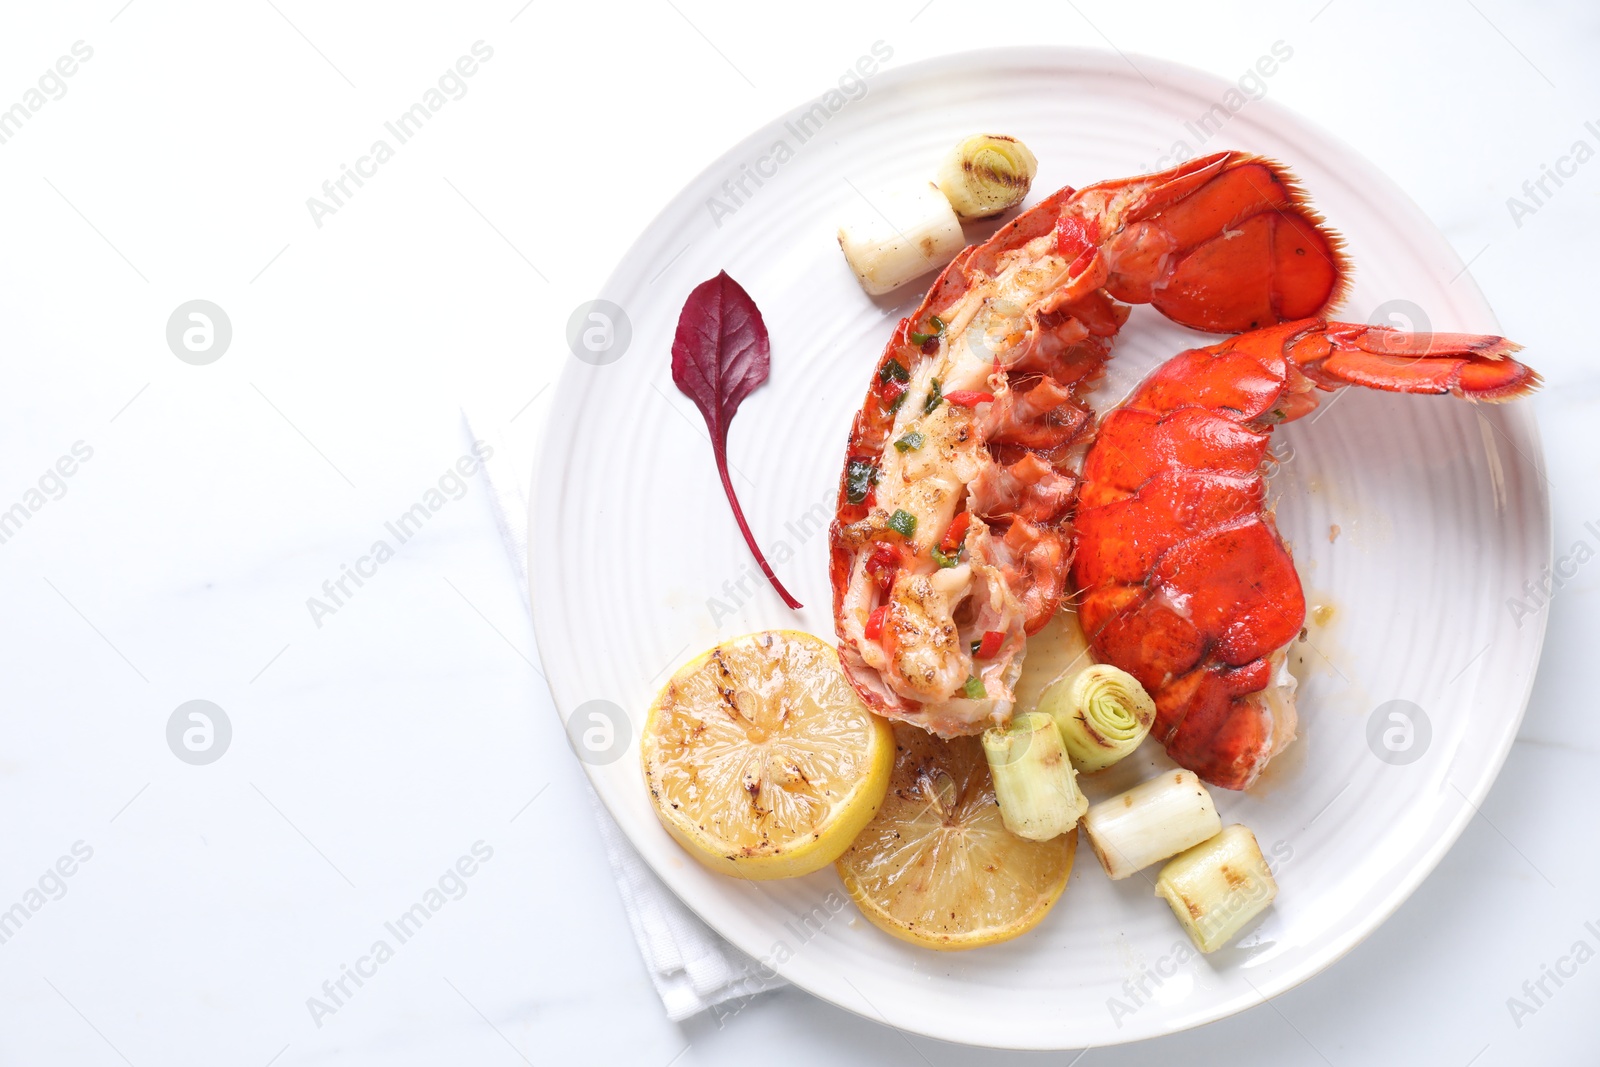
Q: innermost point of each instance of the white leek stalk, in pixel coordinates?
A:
(1150, 822)
(986, 174)
(1217, 887)
(1102, 712)
(1034, 782)
(899, 235)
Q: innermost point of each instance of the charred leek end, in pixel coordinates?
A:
(1034, 782)
(984, 175)
(1217, 887)
(1150, 822)
(1102, 712)
(901, 235)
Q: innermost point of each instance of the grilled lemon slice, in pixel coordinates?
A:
(761, 760)
(936, 866)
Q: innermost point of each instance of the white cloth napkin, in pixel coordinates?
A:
(692, 968)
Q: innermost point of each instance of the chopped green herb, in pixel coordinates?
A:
(974, 689)
(945, 559)
(920, 338)
(860, 476)
(910, 442)
(935, 398)
(894, 405)
(903, 523)
(893, 370)
(937, 323)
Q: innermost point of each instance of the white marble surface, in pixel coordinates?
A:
(369, 754)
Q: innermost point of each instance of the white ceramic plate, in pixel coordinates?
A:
(1441, 508)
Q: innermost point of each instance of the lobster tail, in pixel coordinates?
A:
(1473, 366)
(1225, 244)
(1186, 583)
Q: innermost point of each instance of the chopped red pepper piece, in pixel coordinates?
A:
(882, 565)
(1075, 235)
(957, 532)
(968, 398)
(989, 647)
(874, 626)
(1077, 238)
(1081, 264)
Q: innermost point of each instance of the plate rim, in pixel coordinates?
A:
(1086, 59)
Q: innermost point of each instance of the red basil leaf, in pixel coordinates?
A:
(720, 354)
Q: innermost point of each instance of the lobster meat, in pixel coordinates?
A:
(1186, 583)
(951, 539)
